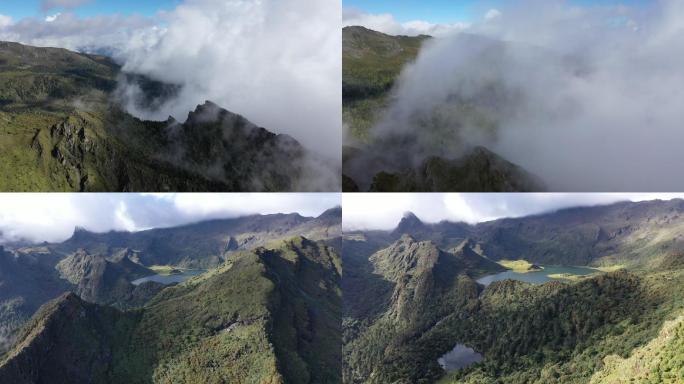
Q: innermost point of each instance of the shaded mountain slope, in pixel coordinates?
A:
(371, 63)
(25, 284)
(644, 234)
(478, 170)
(98, 280)
(62, 128)
(268, 316)
(208, 243)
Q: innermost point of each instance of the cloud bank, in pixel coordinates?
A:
(588, 98)
(386, 23)
(277, 62)
(53, 216)
(385, 210)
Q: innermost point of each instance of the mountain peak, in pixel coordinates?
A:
(409, 223)
(334, 212)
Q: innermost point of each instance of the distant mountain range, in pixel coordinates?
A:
(62, 128)
(599, 328)
(372, 62)
(267, 309)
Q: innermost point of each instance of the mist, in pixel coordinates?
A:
(52, 217)
(276, 62)
(588, 98)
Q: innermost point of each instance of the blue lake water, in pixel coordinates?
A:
(169, 279)
(458, 358)
(536, 277)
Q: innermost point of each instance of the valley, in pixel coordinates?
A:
(258, 300)
(572, 296)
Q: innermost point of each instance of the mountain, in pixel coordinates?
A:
(371, 63)
(25, 284)
(98, 280)
(603, 328)
(208, 243)
(99, 267)
(270, 315)
(414, 161)
(63, 128)
(479, 170)
(643, 234)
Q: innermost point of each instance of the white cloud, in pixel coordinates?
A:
(52, 18)
(587, 98)
(53, 216)
(384, 210)
(492, 14)
(386, 23)
(47, 5)
(66, 30)
(5, 21)
(277, 62)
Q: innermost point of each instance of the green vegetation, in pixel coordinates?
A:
(62, 128)
(520, 266)
(165, 269)
(267, 316)
(623, 325)
(371, 63)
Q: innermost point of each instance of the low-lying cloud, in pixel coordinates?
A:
(53, 216)
(384, 210)
(588, 98)
(386, 23)
(277, 62)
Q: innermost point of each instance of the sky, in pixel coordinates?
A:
(385, 210)
(18, 9)
(438, 17)
(53, 216)
(276, 62)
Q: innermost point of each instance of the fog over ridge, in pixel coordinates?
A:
(587, 98)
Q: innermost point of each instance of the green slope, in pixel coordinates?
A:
(371, 63)
(268, 316)
(62, 128)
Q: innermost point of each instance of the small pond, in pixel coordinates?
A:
(459, 357)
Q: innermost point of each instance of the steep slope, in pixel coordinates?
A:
(478, 170)
(659, 361)
(98, 280)
(208, 243)
(25, 284)
(427, 284)
(371, 63)
(268, 316)
(62, 128)
(645, 234)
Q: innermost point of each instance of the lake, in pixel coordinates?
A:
(169, 279)
(537, 277)
(459, 357)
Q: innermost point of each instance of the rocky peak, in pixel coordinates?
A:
(334, 213)
(410, 223)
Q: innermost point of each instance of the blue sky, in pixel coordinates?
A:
(447, 11)
(18, 9)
